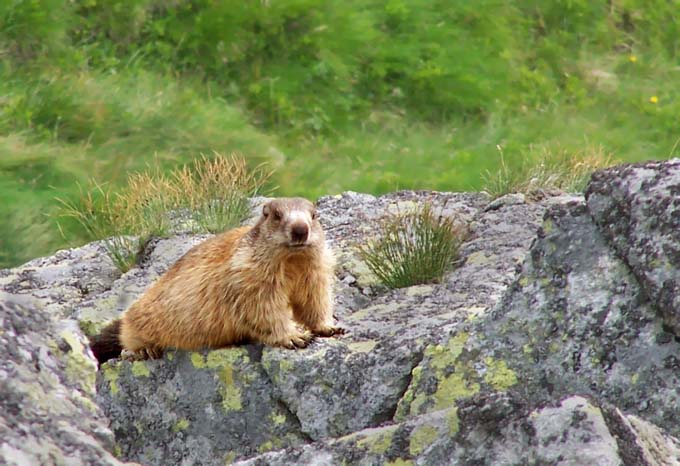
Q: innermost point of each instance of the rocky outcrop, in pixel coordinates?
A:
(47, 413)
(637, 209)
(555, 342)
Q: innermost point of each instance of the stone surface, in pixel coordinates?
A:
(47, 415)
(495, 431)
(195, 408)
(637, 208)
(554, 342)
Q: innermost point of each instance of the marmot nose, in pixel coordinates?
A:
(299, 233)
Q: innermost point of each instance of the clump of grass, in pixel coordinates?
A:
(414, 248)
(546, 169)
(100, 216)
(216, 190)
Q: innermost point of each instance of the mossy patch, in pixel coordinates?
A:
(419, 290)
(222, 361)
(455, 379)
(473, 312)
(227, 356)
(421, 438)
(359, 269)
(452, 388)
(478, 258)
(446, 356)
(375, 310)
(548, 226)
(286, 365)
(86, 402)
(229, 458)
(92, 320)
(269, 445)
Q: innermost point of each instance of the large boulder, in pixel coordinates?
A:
(554, 342)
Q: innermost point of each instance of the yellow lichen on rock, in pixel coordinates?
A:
(453, 421)
(180, 425)
(111, 374)
(421, 438)
(79, 368)
(498, 375)
(140, 369)
(378, 442)
(198, 360)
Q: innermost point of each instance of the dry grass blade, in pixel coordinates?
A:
(216, 190)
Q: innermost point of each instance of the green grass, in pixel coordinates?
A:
(359, 95)
(414, 248)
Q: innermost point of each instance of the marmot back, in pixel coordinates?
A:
(269, 283)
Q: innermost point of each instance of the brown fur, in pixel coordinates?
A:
(260, 283)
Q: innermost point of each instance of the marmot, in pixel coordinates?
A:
(264, 283)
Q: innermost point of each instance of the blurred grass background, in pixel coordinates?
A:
(360, 95)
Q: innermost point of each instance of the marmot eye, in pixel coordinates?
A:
(277, 215)
(314, 215)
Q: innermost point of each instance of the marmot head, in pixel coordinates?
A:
(291, 223)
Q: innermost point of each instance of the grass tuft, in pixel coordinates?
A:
(216, 190)
(98, 212)
(414, 248)
(547, 169)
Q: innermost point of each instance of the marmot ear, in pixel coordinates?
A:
(265, 210)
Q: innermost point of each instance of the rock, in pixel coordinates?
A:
(47, 415)
(637, 208)
(58, 283)
(572, 432)
(94, 312)
(195, 408)
(554, 342)
(575, 321)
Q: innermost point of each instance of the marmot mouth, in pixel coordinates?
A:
(298, 245)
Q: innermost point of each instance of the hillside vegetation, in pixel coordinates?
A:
(356, 95)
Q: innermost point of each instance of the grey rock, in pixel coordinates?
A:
(195, 408)
(573, 432)
(575, 321)
(637, 208)
(554, 342)
(97, 310)
(47, 415)
(58, 283)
